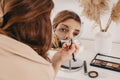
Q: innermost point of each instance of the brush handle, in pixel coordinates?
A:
(73, 56)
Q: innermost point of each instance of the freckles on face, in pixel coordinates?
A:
(67, 29)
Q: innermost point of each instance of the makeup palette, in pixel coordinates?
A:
(106, 62)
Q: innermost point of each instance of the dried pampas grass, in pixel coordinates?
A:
(93, 9)
(115, 15)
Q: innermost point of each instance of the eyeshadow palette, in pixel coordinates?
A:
(106, 62)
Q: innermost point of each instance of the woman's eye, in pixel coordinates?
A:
(75, 34)
(63, 30)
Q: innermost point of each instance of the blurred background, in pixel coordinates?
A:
(89, 28)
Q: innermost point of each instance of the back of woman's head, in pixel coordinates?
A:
(65, 15)
(28, 21)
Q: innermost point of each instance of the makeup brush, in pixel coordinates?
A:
(73, 56)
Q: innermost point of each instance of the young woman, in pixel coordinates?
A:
(25, 38)
(66, 26)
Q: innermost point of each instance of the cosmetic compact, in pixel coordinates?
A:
(106, 62)
(93, 74)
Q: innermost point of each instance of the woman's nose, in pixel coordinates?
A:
(69, 36)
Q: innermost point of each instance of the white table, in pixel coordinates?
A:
(88, 54)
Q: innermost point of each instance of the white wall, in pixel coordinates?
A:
(88, 27)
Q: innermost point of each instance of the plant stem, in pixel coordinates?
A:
(100, 25)
(108, 24)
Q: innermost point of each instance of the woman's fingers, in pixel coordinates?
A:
(70, 47)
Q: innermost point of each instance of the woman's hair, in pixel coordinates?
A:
(28, 21)
(65, 15)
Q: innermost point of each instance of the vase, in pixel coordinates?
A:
(103, 42)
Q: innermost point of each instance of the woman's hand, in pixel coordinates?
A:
(64, 54)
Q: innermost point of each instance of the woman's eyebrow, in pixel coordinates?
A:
(77, 30)
(66, 26)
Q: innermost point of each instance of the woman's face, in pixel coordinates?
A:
(67, 29)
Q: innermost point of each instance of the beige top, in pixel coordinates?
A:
(20, 62)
